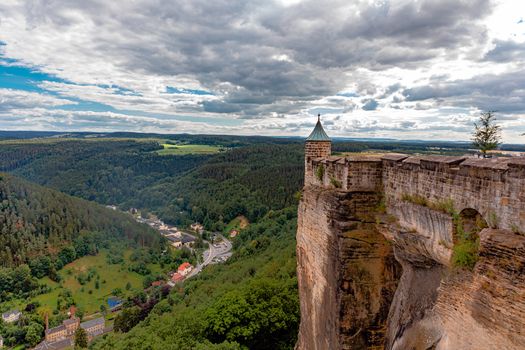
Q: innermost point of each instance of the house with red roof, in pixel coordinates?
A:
(177, 277)
(157, 283)
(185, 268)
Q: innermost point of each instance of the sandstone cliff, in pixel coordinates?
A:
(375, 256)
(346, 269)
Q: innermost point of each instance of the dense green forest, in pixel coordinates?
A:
(257, 181)
(213, 189)
(106, 171)
(247, 181)
(42, 230)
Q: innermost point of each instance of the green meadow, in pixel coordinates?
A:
(172, 149)
(239, 223)
(87, 296)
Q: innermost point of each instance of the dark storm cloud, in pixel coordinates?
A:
(504, 92)
(268, 53)
(506, 51)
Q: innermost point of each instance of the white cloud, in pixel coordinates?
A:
(269, 65)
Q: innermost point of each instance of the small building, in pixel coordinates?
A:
(197, 227)
(94, 327)
(66, 329)
(57, 345)
(185, 268)
(157, 283)
(71, 325)
(11, 316)
(234, 233)
(177, 277)
(176, 241)
(56, 333)
(188, 240)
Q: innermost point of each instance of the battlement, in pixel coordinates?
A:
(494, 187)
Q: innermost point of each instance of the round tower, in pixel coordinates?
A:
(318, 145)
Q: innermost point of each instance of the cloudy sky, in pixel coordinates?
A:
(421, 69)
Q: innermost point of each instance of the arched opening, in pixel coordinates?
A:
(468, 224)
(471, 222)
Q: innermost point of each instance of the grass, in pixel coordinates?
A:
(238, 223)
(465, 253)
(115, 276)
(171, 149)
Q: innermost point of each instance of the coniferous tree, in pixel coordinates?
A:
(487, 134)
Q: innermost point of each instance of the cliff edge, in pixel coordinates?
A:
(416, 253)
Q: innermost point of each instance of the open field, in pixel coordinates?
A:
(238, 223)
(170, 149)
(87, 296)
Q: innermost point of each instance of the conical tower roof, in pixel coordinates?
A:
(318, 134)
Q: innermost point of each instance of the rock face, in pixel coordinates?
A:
(346, 269)
(436, 307)
(374, 252)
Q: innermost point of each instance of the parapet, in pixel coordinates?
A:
(494, 187)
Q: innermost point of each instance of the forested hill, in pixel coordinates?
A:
(247, 181)
(108, 171)
(38, 222)
(213, 189)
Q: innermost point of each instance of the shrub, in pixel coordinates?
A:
(319, 173)
(465, 250)
(465, 253)
(493, 220)
(445, 206)
(334, 182)
(415, 198)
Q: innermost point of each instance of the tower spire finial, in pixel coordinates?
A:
(318, 117)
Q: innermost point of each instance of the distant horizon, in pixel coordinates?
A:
(336, 138)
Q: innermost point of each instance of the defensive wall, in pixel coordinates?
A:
(494, 187)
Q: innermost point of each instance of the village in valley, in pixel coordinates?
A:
(214, 249)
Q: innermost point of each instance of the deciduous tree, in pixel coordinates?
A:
(81, 338)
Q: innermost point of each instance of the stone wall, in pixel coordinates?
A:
(314, 150)
(494, 187)
(351, 174)
(363, 211)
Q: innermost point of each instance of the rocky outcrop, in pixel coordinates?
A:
(375, 246)
(353, 295)
(440, 308)
(346, 270)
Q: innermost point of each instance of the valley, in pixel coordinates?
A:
(237, 207)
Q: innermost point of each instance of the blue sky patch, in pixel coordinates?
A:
(173, 90)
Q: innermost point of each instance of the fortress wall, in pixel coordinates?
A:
(494, 187)
(364, 175)
(349, 174)
(346, 245)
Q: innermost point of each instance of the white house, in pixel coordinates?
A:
(11, 316)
